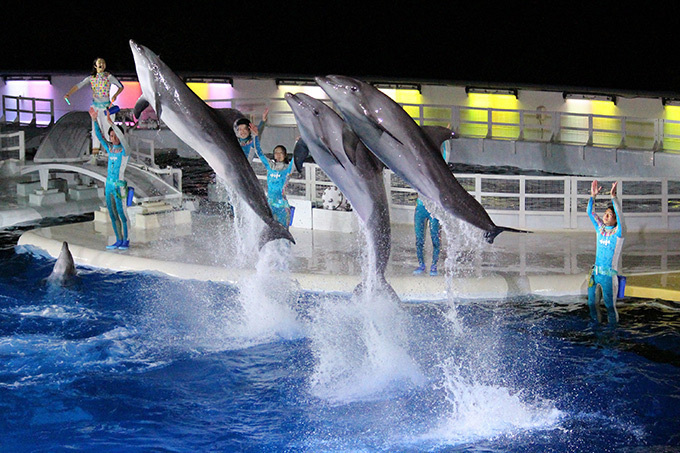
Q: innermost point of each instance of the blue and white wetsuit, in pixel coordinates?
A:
(251, 143)
(607, 262)
(115, 201)
(421, 217)
(276, 186)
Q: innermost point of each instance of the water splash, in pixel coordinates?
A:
(360, 346)
(475, 410)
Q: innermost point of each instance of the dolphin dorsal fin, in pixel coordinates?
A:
(438, 134)
(300, 154)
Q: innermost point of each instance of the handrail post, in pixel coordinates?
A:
(622, 144)
(489, 122)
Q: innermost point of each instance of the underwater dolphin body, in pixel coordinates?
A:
(395, 138)
(65, 267)
(207, 131)
(351, 166)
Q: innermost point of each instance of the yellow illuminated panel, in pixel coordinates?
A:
(201, 89)
(606, 127)
(488, 108)
(212, 91)
(671, 129)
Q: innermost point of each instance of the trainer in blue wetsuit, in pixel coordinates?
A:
(249, 135)
(603, 280)
(420, 220)
(115, 189)
(278, 172)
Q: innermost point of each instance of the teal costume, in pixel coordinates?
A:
(420, 219)
(608, 255)
(249, 143)
(118, 157)
(277, 178)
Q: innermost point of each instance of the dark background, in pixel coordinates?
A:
(616, 46)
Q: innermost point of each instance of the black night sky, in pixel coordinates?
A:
(628, 47)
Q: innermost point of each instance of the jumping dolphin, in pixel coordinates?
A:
(352, 167)
(395, 138)
(64, 268)
(206, 130)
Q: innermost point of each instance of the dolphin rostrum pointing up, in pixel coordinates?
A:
(352, 167)
(395, 138)
(64, 268)
(207, 131)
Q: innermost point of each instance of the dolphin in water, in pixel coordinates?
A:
(395, 138)
(64, 268)
(209, 132)
(352, 167)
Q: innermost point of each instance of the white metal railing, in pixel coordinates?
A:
(509, 124)
(531, 202)
(39, 111)
(11, 143)
(533, 125)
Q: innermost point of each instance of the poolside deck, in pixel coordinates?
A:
(542, 263)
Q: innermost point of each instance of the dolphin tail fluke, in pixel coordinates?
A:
(383, 286)
(491, 235)
(273, 232)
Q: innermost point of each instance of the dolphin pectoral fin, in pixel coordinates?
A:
(328, 148)
(350, 143)
(140, 106)
(491, 235)
(158, 105)
(300, 154)
(379, 125)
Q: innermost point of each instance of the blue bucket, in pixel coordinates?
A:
(130, 194)
(292, 213)
(622, 286)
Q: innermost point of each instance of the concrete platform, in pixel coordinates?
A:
(546, 263)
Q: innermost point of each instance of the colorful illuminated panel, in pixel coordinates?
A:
(39, 89)
(671, 129)
(489, 108)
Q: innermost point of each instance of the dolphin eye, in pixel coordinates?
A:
(354, 88)
(316, 112)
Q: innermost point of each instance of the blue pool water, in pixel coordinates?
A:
(139, 362)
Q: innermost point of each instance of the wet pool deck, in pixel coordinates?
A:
(541, 263)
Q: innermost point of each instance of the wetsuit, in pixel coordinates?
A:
(251, 143)
(115, 200)
(607, 262)
(277, 178)
(421, 217)
(101, 97)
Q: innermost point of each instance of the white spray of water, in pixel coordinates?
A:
(268, 296)
(247, 229)
(361, 347)
(360, 344)
(477, 410)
